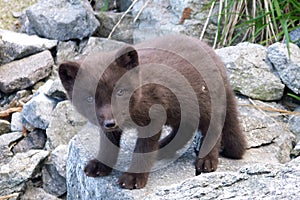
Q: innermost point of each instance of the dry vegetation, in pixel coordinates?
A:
(8, 7)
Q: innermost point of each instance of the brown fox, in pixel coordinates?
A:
(94, 86)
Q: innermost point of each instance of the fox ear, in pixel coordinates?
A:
(127, 57)
(67, 73)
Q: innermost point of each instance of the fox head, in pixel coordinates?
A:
(92, 85)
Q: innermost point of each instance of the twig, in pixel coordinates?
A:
(207, 20)
(9, 196)
(281, 111)
(122, 17)
(219, 18)
(261, 110)
(141, 10)
(6, 113)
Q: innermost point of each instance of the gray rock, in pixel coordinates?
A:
(18, 45)
(54, 171)
(65, 122)
(66, 51)
(34, 140)
(22, 167)
(71, 51)
(296, 151)
(5, 141)
(53, 183)
(123, 32)
(288, 68)
(155, 20)
(56, 90)
(37, 193)
(123, 5)
(163, 17)
(23, 73)
(101, 44)
(258, 181)
(103, 5)
(266, 137)
(294, 123)
(16, 122)
(4, 126)
(37, 112)
(19, 98)
(61, 19)
(59, 159)
(43, 88)
(295, 36)
(249, 72)
(268, 142)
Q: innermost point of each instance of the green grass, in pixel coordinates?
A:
(258, 21)
(294, 96)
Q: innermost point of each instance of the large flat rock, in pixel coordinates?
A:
(24, 73)
(18, 45)
(268, 146)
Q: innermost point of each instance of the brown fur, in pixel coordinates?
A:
(119, 62)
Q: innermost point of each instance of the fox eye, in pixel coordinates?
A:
(90, 99)
(121, 92)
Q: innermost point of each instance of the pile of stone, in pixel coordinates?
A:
(40, 157)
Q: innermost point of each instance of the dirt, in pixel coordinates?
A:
(8, 7)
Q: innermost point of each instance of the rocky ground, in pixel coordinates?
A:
(45, 143)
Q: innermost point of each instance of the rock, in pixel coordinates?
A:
(250, 73)
(66, 51)
(4, 126)
(123, 32)
(123, 5)
(16, 122)
(37, 193)
(59, 159)
(61, 19)
(21, 168)
(37, 112)
(101, 44)
(103, 5)
(155, 20)
(54, 171)
(18, 45)
(19, 98)
(71, 51)
(295, 36)
(64, 124)
(163, 17)
(258, 181)
(23, 73)
(57, 91)
(34, 140)
(294, 123)
(268, 142)
(53, 183)
(83, 147)
(5, 141)
(287, 68)
(296, 151)
(266, 137)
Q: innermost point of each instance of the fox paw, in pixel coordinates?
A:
(95, 168)
(133, 180)
(206, 164)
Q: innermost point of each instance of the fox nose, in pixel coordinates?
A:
(110, 124)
